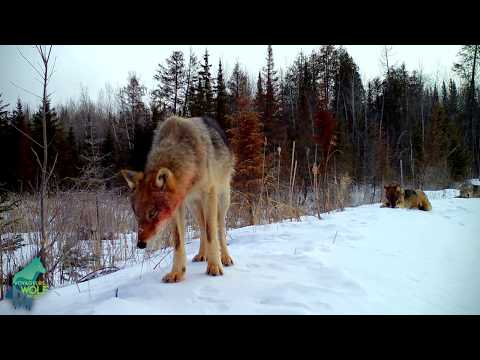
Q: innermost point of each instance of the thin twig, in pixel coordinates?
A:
(28, 61)
(37, 158)
(21, 88)
(28, 136)
(53, 167)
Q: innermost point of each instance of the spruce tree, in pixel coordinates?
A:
(190, 81)
(444, 95)
(453, 99)
(7, 143)
(55, 134)
(198, 99)
(24, 162)
(270, 117)
(221, 99)
(207, 105)
(260, 97)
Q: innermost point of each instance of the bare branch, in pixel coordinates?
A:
(28, 136)
(28, 61)
(21, 88)
(49, 51)
(53, 70)
(37, 158)
(53, 167)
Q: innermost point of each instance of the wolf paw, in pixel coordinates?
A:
(227, 260)
(214, 269)
(199, 257)
(172, 277)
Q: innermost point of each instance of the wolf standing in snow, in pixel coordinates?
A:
(396, 196)
(190, 163)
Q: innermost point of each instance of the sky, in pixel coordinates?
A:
(93, 66)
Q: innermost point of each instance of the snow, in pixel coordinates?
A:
(475, 181)
(364, 260)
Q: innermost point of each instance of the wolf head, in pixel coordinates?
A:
(393, 193)
(155, 197)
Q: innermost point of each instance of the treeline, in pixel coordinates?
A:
(397, 126)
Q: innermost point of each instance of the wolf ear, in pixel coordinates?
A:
(398, 188)
(132, 177)
(165, 179)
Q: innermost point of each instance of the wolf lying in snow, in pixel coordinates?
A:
(396, 196)
(190, 163)
(468, 190)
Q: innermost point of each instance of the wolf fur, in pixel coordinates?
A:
(189, 164)
(396, 196)
(469, 190)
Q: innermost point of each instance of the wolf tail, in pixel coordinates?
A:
(424, 202)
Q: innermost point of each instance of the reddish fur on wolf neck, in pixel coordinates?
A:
(149, 199)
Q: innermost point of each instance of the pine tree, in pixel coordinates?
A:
(171, 80)
(132, 114)
(221, 99)
(190, 81)
(206, 95)
(325, 75)
(238, 86)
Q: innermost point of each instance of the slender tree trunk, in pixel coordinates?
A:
(384, 92)
(412, 163)
(471, 110)
(401, 173)
(98, 238)
(43, 187)
(1, 274)
(176, 93)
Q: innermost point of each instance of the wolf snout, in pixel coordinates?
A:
(142, 238)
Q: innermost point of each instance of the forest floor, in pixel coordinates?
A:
(364, 260)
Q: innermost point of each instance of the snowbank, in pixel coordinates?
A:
(364, 260)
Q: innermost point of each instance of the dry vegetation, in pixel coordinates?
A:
(93, 233)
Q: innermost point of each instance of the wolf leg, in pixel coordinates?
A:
(223, 205)
(214, 266)
(200, 218)
(179, 258)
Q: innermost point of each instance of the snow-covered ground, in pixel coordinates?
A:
(364, 260)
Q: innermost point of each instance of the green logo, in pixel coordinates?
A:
(28, 284)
